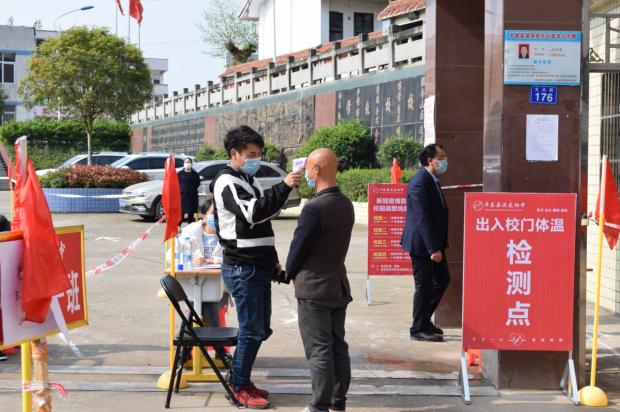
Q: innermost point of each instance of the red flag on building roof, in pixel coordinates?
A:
(611, 207)
(120, 8)
(396, 172)
(171, 199)
(43, 273)
(135, 10)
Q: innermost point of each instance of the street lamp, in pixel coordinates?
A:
(72, 11)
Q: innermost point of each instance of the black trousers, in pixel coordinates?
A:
(321, 323)
(431, 281)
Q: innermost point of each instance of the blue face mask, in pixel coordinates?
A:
(443, 166)
(251, 166)
(311, 182)
(211, 221)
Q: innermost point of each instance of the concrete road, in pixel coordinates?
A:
(124, 348)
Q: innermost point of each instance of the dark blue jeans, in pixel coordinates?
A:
(250, 286)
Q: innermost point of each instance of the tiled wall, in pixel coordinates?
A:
(610, 286)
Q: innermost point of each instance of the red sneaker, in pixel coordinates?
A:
(263, 393)
(248, 397)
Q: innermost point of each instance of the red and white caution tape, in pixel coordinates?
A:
(122, 255)
(38, 386)
(461, 186)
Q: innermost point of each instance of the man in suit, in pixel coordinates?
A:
(316, 262)
(425, 237)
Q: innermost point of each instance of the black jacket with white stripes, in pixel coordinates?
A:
(243, 212)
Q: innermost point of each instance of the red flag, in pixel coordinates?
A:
(396, 172)
(135, 10)
(611, 208)
(120, 8)
(44, 273)
(171, 199)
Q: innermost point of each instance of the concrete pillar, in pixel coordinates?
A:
(311, 58)
(506, 168)
(335, 60)
(209, 87)
(270, 67)
(455, 75)
(360, 49)
(289, 72)
(252, 82)
(196, 92)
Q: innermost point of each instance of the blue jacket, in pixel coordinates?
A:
(426, 225)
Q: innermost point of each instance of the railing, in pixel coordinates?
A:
(394, 50)
(603, 56)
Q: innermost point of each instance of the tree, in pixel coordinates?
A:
(87, 74)
(222, 31)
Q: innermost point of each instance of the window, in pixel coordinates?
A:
(7, 64)
(9, 113)
(209, 172)
(266, 171)
(138, 164)
(363, 23)
(156, 81)
(106, 160)
(157, 163)
(178, 162)
(84, 161)
(335, 26)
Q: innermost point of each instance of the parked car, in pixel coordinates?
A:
(99, 158)
(151, 164)
(144, 199)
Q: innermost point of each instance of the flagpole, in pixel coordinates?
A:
(129, 26)
(116, 20)
(591, 395)
(139, 29)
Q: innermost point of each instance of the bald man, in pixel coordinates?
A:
(316, 263)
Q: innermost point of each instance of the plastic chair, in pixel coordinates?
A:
(201, 337)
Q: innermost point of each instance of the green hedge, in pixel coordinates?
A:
(402, 148)
(93, 176)
(350, 140)
(206, 152)
(68, 134)
(46, 157)
(354, 182)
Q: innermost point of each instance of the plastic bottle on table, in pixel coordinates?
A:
(187, 253)
(178, 256)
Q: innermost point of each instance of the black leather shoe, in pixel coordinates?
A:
(426, 336)
(433, 329)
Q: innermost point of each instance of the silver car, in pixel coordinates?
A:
(144, 199)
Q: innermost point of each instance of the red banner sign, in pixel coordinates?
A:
(387, 209)
(519, 264)
(72, 301)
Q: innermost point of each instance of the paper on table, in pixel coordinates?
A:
(541, 137)
(429, 120)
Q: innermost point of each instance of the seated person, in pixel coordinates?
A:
(206, 250)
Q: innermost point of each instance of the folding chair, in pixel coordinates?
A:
(201, 337)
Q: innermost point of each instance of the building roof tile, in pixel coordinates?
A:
(400, 7)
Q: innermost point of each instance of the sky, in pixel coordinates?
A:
(169, 30)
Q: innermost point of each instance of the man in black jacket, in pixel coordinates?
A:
(425, 237)
(316, 262)
(243, 212)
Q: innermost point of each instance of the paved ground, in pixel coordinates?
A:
(125, 346)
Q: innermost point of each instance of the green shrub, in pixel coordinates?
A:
(354, 182)
(206, 152)
(93, 176)
(68, 134)
(404, 148)
(271, 153)
(350, 140)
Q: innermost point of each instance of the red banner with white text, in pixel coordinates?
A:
(519, 265)
(387, 209)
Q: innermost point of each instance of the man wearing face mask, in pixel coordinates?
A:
(425, 238)
(243, 212)
(189, 182)
(316, 262)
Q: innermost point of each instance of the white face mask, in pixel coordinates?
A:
(188, 166)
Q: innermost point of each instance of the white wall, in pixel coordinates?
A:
(347, 8)
(298, 26)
